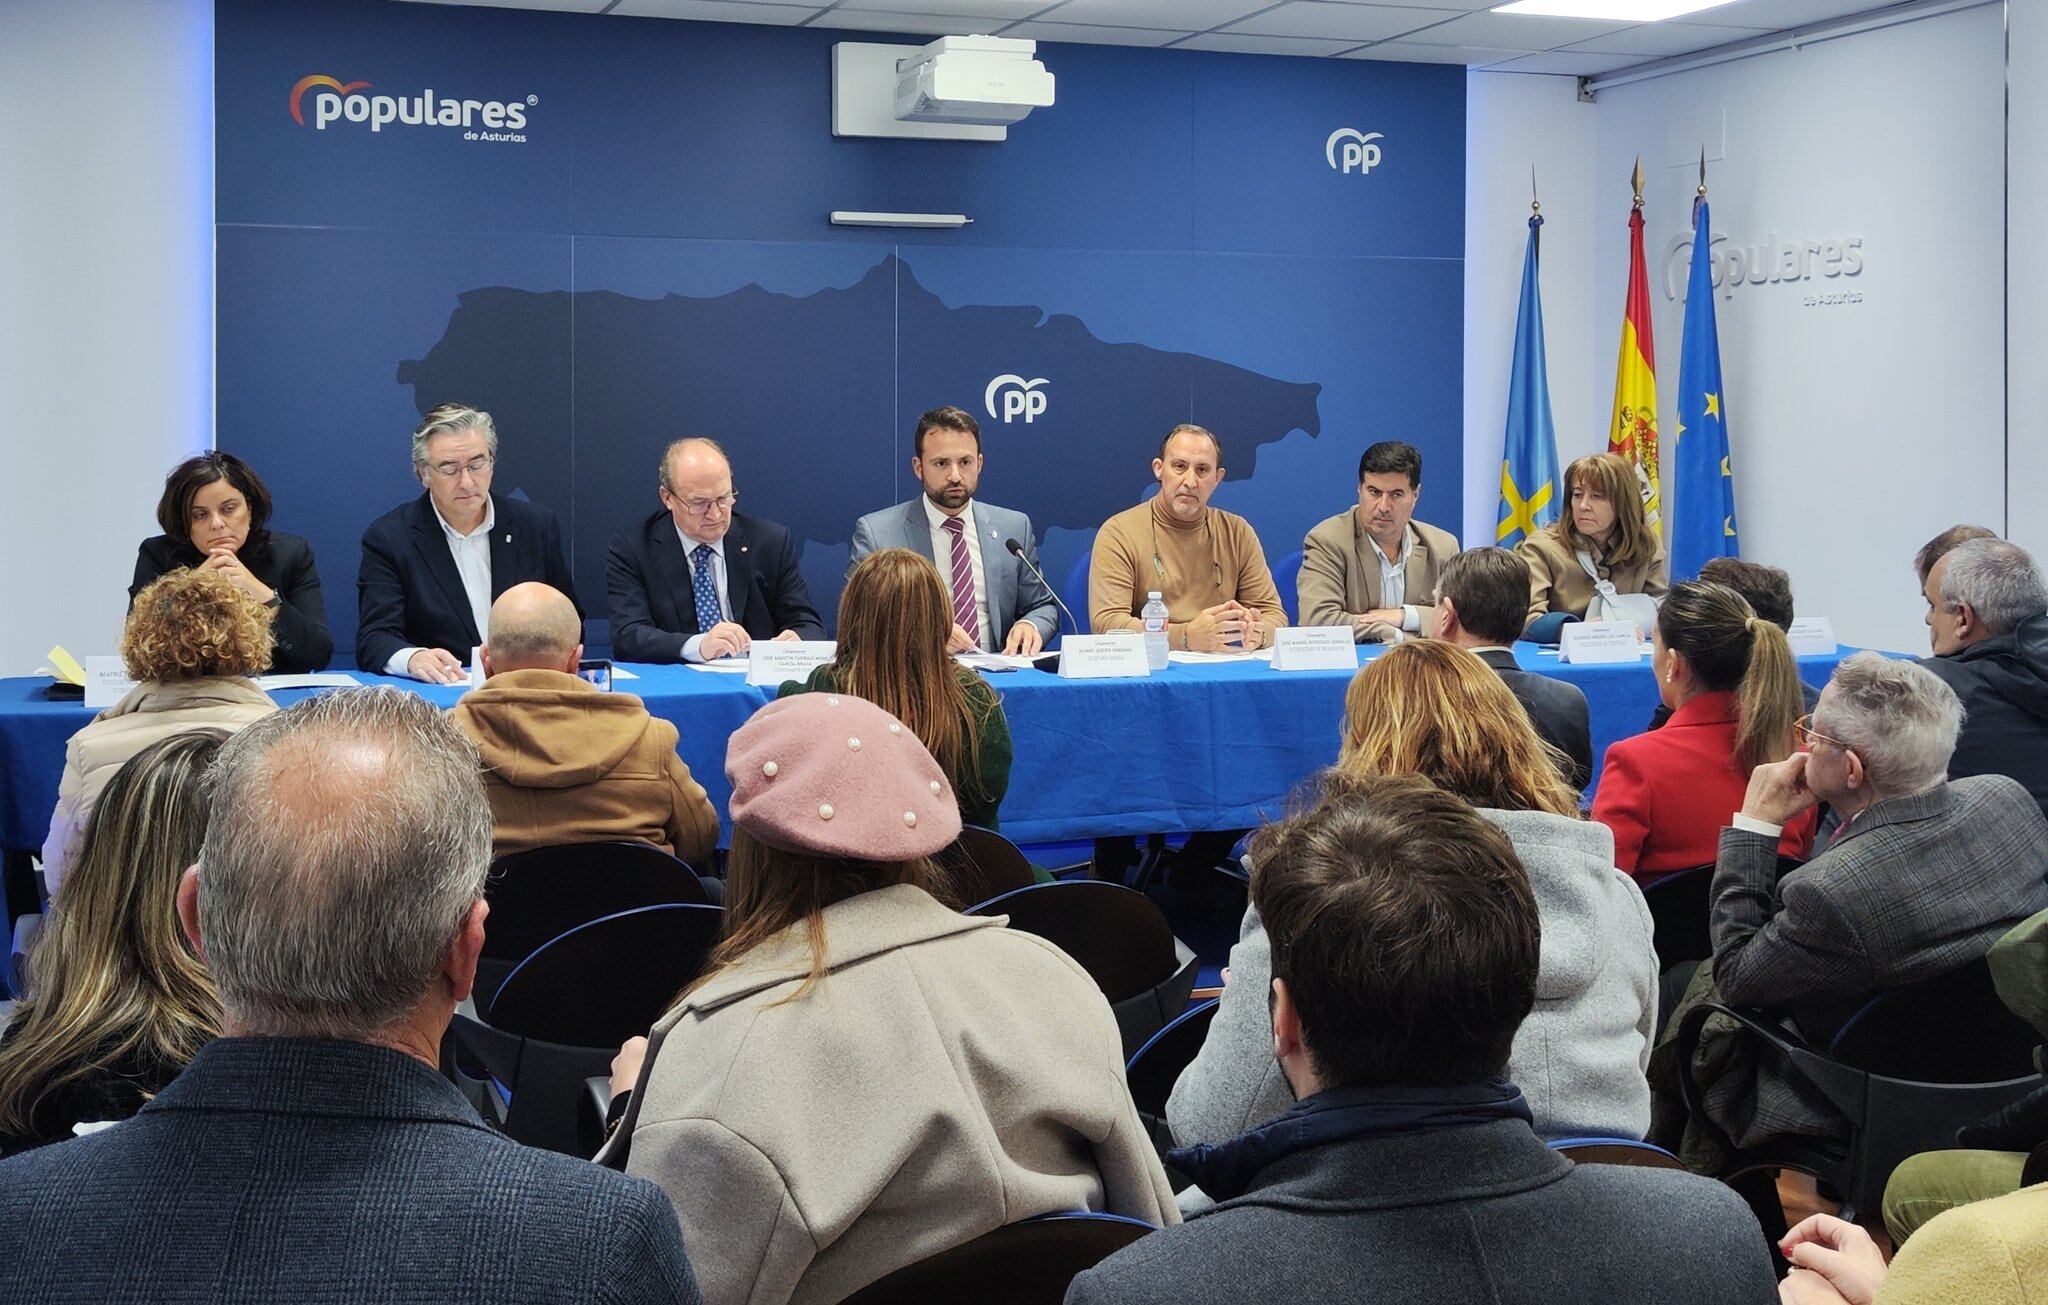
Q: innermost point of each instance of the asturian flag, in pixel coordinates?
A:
(1703, 482)
(1528, 465)
(1633, 432)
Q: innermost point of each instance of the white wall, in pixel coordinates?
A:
(2027, 278)
(106, 300)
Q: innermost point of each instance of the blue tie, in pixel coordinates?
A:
(706, 589)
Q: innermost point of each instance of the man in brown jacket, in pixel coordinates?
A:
(1374, 567)
(563, 761)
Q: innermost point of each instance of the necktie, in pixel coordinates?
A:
(963, 581)
(706, 589)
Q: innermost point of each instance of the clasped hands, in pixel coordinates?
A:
(1227, 627)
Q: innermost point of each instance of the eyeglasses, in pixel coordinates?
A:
(1806, 734)
(450, 470)
(697, 507)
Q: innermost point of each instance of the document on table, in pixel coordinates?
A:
(988, 661)
(1262, 655)
(319, 680)
(728, 665)
(621, 673)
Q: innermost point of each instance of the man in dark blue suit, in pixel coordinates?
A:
(313, 1152)
(432, 568)
(698, 581)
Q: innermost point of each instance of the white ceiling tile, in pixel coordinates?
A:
(717, 11)
(1661, 40)
(1171, 15)
(877, 20)
(565, 6)
(1517, 31)
(1242, 43)
(1413, 52)
(1317, 18)
(1575, 63)
(1089, 34)
(1777, 15)
(1462, 6)
(1008, 11)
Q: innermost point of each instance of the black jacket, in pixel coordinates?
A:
(2003, 682)
(654, 608)
(110, 1089)
(1558, 711)
(285, 563)
(286, 1169)
(409, 593)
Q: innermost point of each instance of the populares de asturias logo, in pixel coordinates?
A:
(336, 101)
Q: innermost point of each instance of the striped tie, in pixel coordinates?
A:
(963, 582)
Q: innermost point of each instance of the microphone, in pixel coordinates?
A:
(1018, 549)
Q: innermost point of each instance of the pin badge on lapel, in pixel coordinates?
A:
(508, 539)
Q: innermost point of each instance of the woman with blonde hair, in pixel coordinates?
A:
(1733, 688)
(117, 1001)
(894, 620)
(1602, 547)
(192, 642)
(1433, 709)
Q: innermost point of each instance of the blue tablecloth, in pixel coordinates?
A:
(1204, 746)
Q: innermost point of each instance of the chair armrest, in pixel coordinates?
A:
(1844, 1087)
(2036, 1170)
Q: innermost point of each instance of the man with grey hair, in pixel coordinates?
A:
(1923, 876)
(313, 1151)
(431, 567)
(1987, 616)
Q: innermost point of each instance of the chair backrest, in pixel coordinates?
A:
(540, 894)
(1028, 1263)
(1285, 574)
(1616, 1151)
(1075, 591)
(1678, 916)
(1948, 1029)
(1157, 1065)
(1114, 933)
(608, 980)
(984, 864)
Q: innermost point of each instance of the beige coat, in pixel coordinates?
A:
(150, 712)
(1987, 1253)
(1340, 573)
(945, 1077)
(1557, 583)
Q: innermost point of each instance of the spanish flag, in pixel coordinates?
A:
(1633, 432)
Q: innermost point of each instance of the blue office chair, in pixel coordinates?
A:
(1615, 1151)
(1286, 578)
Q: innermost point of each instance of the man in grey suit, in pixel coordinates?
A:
(314, 1152)
(1404, 958)
(999, 604)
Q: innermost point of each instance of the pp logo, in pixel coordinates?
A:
(1349, 148)
(1019, 397)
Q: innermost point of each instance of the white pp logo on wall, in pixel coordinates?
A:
(1020, 398)
(336, 101)
(1350, 149)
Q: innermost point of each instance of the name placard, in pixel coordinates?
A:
(1813, 636)
(106, 681)
(1598, 643)
(1103, 656)
(1314, 648)
(777, 661)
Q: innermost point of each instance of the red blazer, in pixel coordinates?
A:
(1667, 794)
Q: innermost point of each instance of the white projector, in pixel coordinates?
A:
(984, 81)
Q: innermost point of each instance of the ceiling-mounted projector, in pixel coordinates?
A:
(982, 81)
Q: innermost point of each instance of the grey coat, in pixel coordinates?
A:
(1014, 594)
(1579, 1058)
(1445, 1217)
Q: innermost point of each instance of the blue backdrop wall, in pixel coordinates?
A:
(649, 255)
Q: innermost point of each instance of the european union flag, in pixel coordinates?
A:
(1703, 482)
(1528, 467)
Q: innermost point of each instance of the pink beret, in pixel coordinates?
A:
(835, 775)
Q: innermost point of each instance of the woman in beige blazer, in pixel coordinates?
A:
(866, 1077)
(1603, 519)
(192, 641)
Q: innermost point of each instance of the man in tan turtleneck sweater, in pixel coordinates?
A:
(1205, 562)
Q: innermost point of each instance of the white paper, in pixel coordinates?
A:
(1813, 636)
(318, 680)
(988, 661)
(1315, 648)
(621, 673)
(1193, 658)
(106, 681)
(1600, 643)
(778, 661)
(476, 667)
(1120, 655)
(724, 665)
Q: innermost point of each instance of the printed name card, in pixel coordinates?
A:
(774, 662)
(1314, 648)
(1813, 636)
(1103, 656)
(1600, 643)
(106, 681)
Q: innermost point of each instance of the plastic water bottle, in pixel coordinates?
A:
(1155, 631)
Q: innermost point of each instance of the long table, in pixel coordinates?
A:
(1215, 745)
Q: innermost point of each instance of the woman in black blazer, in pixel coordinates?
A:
(215, 512)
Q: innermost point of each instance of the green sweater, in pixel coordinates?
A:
(980, 794)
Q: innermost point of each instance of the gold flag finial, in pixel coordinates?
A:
(1636, 181)
(1703, 172)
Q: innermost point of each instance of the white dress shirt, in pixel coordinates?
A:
(1394, 580)
(693, 647)
(942, 554)
(472, 554)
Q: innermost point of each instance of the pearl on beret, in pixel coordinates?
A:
(769, 768)
(937, 788)
(910, 818)
(894, 728)
(853, 745)
(824, 811)
(831, 702)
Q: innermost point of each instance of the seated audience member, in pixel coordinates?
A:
(1923, 876)
(1991, 1253)
(118, 1002)
(431, 567)
(1405, 958)
(698, 581)
(1429, 709)
(313, 1151)
(1374, 567)
(1987, 613)
(894, 620)
(1728, 676)
(1941, 546)
(192, 641)
(565, 762)
(215, 512)
(1603, 542)
(1768, 591)
(864, 1076)
(1481, 601)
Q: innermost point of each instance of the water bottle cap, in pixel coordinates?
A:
(1154, 595)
